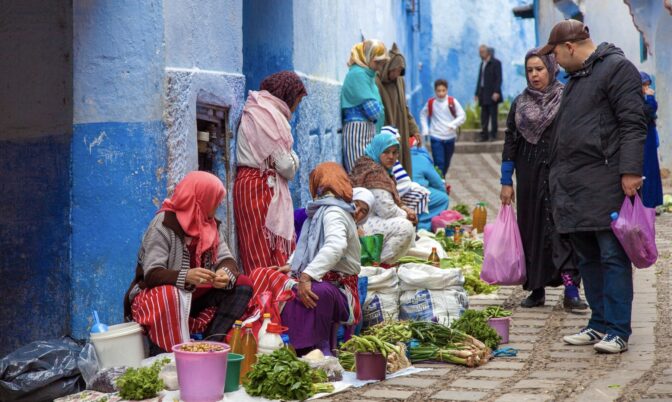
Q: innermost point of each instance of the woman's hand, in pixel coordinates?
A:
(411, 215)
(507, 195)
(305, 291)
(199, 276)
(221, 280)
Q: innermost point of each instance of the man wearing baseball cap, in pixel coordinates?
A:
(596, 161)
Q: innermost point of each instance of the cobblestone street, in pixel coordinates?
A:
(545, 369)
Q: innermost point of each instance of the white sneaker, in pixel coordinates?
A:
(586, 336)
(611, 344)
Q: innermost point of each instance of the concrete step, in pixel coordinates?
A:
(471, 135)
(471, 147)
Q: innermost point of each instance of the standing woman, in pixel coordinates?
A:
(549, 259)
(361, 105)
(262, 203)
(652, 188)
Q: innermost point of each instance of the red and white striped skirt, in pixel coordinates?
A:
(158, 311)
(251, 198)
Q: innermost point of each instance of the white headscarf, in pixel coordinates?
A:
(364, 195)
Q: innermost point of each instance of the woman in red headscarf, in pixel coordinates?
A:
(262, 202)
(184, 265)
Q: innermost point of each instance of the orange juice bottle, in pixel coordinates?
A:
(249, 351)
(434, 258)
(480, 217)
(237, 338)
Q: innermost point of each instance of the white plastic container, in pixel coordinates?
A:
(271, 340)
(121, 345)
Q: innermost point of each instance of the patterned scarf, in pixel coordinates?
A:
(369, 174)
(285, 85)
(536, 110)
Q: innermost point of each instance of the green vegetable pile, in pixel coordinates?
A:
(475, 323)
(143, 383)
(281, 375)
(496, 312)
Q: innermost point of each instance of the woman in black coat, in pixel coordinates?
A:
(549, 259)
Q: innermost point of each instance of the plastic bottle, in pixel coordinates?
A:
(264, 325)
(237, 338)
(249, 351)
(480, 217)
(457, 236)
(272, 339)
(434, 258)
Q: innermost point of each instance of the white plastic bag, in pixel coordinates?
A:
(422, 276)
(382, 297)
(443, 306)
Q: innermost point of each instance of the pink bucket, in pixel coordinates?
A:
(501, 325)
(201, 375)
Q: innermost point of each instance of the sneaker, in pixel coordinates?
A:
(586, 336)
(611, 344)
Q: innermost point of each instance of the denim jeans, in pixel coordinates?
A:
(442, 152)
(607, 279)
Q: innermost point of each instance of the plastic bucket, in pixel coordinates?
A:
(201, 375)
(121, 345)
(233, 372)
(501, 325)
(370, 366)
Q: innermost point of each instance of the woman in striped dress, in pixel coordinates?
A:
(262, 203)
(186, 280)
(361, 105)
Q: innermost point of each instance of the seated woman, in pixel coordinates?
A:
(184, 265)
(389, 216)
(323, 269)
(426, 175)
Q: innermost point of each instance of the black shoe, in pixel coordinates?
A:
(574, 303)
(530, 302)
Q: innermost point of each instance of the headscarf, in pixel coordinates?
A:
(363, 52)
(379, 144)
(265, 126)
(329, 186)
(364, 195)
(536, 110)
(194, 197)
(396, 60)
(285, 85)
(330, 177)
(645, 77)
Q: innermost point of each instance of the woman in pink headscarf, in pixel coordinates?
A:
(262, 202)
(184, 265)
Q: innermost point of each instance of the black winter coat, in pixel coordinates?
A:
(492, 82)
(600, 134)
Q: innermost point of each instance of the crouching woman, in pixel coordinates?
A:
(186, 279)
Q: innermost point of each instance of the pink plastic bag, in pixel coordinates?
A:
(504, 260)
(444, 219)
(635, 229)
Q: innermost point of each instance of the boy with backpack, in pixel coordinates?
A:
(445, 116)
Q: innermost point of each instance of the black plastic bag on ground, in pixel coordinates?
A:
(41, 371)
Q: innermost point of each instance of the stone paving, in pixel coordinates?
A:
(545, 369)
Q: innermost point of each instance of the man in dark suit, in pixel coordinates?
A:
(488, 91)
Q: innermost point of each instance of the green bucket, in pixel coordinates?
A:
(233, 372)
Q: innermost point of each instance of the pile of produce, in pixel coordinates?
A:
(142, 383)
(475, 323)
(281, 375)
(395, 354)
(201, 347)
(433, 341)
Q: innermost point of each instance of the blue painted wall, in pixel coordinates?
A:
(268, 39)
(35, 135)
(118, 153)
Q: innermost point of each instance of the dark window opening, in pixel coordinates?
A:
(643, 49)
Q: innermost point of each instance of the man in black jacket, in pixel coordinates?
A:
(596, 161)
(488, 91)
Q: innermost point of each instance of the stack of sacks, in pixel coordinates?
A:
(431, 294)
(382, 297)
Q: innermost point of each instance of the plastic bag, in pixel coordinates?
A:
(88, 364)
(504, 259)
(372, 246)
(330, 365)
(41, 371)
(635, 229)
(106, 380)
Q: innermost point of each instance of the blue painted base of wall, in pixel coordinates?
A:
(34, 240)
(118, 184)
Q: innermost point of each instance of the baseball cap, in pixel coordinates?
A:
(565, 31)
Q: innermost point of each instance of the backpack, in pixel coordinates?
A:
(451, 106)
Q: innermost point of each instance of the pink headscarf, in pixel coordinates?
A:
(194, 197)
(265, 125)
